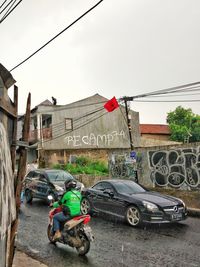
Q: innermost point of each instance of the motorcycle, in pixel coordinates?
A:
(75, 232)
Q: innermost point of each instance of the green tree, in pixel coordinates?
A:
(184, 125)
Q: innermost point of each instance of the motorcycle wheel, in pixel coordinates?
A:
(84, 249)
(49, 234)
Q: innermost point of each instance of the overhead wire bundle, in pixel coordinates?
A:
(7, 8)
(178, 91)
(95, 114)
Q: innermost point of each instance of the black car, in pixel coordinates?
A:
(40, 183)
(129, 200)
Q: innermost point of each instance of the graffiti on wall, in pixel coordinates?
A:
(175, 168)
(7, 199)
(94, 140)
(123, 166)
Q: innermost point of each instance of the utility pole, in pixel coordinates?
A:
(129, 124)
(129, 130)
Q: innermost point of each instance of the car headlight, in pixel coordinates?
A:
(182, 202)
(59, 188)
(150, 206)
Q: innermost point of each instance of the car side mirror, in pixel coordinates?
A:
(108, 192)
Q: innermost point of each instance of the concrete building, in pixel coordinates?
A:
(58, 133)
(155, 131)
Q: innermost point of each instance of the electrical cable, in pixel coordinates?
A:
(44, 141)
(9, 11)
(194, 100)
(3, 4)
(183, 95)
(75, 124)
(80, 17)
(58, 127)
(180, 88)
(77, 118)
(6, 6)
(72, 107)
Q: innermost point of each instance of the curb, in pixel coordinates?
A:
(21, 259)
(193, 212)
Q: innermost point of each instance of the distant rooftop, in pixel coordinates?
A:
(154, 129)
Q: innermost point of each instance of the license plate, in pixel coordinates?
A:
(177, 216)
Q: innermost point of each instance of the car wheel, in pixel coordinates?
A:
(133, 216)
(28, 196)
(85, 206)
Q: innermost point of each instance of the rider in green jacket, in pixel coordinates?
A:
(71, 206)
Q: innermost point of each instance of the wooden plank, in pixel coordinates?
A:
(20, 176)
(14, 137)
(8, 107)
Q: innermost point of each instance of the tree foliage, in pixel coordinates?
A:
(184, 125)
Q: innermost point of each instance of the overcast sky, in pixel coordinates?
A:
(121, 48)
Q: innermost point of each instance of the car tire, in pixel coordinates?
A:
(28, 196)
(133, 216)
(85, 206)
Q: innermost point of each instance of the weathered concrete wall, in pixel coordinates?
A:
(52, 157)
(7, 198)
(156, 136)
(176, 166)
(91, 129)
(89, 180)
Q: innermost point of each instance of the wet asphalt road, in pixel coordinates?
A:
(116, 244)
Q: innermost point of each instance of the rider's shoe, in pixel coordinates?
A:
(57, 236)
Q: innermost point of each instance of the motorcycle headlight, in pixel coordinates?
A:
(150, 206)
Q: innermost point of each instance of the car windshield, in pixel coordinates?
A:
(57, 175)
(128, 187)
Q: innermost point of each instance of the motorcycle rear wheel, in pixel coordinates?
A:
(84, 249)
(49, 234)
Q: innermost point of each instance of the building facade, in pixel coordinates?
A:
(83, 127)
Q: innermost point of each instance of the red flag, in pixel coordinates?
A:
(111, 105)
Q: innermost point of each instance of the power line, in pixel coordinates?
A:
(61, 125)
(88, 122)
(84, 14)
(10, 10)
(65, 107)
(6, 6)
(3, 4)
(181, 88)
(159, 101)
(183, 95)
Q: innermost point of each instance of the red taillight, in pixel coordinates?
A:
(85, 217)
